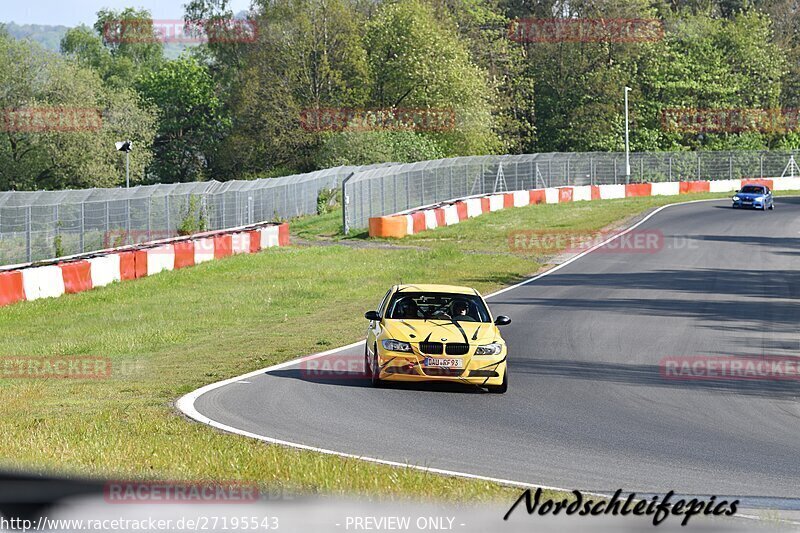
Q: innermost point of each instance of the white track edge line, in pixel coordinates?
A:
(185, 404)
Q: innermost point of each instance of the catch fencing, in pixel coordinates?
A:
(41, 225)
(383, 191)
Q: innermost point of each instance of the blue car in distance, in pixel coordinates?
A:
(755, 196)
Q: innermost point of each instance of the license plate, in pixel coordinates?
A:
(444, 362)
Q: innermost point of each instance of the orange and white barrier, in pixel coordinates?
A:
(449, 213)
(78, 274)
(43, 282)
(105, 270)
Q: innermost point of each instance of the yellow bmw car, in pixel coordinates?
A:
(436, 333)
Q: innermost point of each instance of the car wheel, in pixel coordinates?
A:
(502, 388)
(771, 206)
(375, 369)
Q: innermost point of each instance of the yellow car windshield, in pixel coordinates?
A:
(437, 305)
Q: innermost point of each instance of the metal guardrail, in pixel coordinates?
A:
(383, 191)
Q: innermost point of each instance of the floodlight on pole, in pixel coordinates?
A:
(126, 146)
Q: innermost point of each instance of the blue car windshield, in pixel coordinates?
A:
(437, 305)
(752, 189)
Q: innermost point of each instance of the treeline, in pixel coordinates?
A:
(237, 106)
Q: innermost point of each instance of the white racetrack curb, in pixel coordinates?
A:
(186, 403)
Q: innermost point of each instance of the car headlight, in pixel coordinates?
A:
(396, 346)
(736, 198)
(489, 349)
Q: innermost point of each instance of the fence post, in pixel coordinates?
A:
(83, 225)
(761, 164)
(670, 168)
(641, 170)
(58, 225)
(451, 183)
(149, 209)
(408, 190)
(166, 202)
(549, 172)
(697, 178)
(108, 208)
(346, 202)
(28, 234)
(730, 167)
(591, 171)
(615, 171)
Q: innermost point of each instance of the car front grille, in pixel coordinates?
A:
(443, 372)
(434, 348)
(456, 348)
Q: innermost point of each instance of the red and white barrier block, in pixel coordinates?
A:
(449, 213)
(78, 274)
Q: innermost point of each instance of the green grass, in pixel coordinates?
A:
(173, 332)
(490, 232)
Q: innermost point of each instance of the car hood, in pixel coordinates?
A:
(441, 330)
(750, 195)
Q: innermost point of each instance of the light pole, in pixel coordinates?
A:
(627, 145)
(126, 146)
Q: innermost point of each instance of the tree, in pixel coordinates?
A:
(710, 63)
(123, 46)
(578, 86)
(369, 147)
(190, 122)
(308, 54)
(418, 61)
(79, 153)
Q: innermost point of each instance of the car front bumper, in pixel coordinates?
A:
(477, 370)
(753, 205)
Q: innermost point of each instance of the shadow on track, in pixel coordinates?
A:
(650, 375)
(360, 380)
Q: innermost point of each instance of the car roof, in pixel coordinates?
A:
(428, 287)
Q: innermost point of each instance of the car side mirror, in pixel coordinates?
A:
(737, 190)
(502, 320)
(372, 315)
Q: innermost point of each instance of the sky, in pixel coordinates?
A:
(75, 12)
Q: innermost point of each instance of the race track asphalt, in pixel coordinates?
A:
(587, 406)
